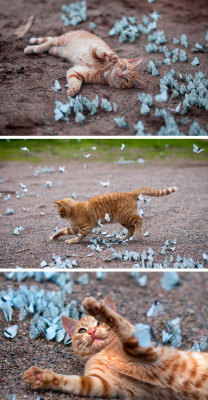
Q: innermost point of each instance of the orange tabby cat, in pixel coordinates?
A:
(117, 366)
(94, 61)
(120, 207)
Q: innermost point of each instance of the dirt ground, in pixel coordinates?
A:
(27, 101)
(181, 215)
(132, 301)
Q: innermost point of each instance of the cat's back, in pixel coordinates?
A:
(82, 36)
(111, 197)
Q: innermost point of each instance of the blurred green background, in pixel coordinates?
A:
(56, 150)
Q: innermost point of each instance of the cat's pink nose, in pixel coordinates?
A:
(119, 74)
(92, 332)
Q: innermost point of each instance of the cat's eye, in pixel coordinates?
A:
(124, 68)
(99, 323)
(126, 80)
(82, 330)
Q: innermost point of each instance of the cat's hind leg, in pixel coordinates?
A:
(102, 54)
(40, 48)
(75, 77)
(61, 232)
(135, 225)
(129, 233)
(59, 51)
(138, 227)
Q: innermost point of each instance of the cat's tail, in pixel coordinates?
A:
(153, 192)
(40, 40)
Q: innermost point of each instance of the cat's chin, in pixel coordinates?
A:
(95, 340)
(98, 344)
(116, 82)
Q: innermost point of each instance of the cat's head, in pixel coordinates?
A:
(65, 207)
(124, 74)
(88, 335)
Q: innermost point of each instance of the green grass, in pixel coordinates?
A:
(57, 150)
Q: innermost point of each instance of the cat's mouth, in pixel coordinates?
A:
(95, 339)
(118, 75)
(97, 342)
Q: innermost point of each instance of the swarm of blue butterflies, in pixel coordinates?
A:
(78, 105)
(45, 307)
(74, 13)
(128, 29)
(194, 89)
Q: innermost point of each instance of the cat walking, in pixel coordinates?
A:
(119, 207)
(118, 367)
(93, 60)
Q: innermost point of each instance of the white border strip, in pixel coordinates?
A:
(144, 270)
(122, 137)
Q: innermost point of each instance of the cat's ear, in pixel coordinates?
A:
(58, 203)
(110, 303)
(139, 84)
(135, 61)
(69, 324)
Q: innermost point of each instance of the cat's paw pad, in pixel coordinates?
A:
(34, 377)
(91, 306)
(72, 91)
(37, 378)
(112, 57)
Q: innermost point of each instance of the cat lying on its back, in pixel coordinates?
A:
(93, 60)
(118, 367)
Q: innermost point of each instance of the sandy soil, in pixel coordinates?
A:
(132, 301)
(27, 100)
(181, 215)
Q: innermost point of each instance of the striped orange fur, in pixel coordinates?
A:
(121, 207)
(94, 61)
(118, 367)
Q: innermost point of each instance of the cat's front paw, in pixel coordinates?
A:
(112, 57)
(55, 236)
(92, 306)
(38, 378)
(72, 91)
(71, 241)
(34, 377)
(103, 310)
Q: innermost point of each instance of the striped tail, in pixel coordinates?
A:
(40, 40)
(153, 192)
